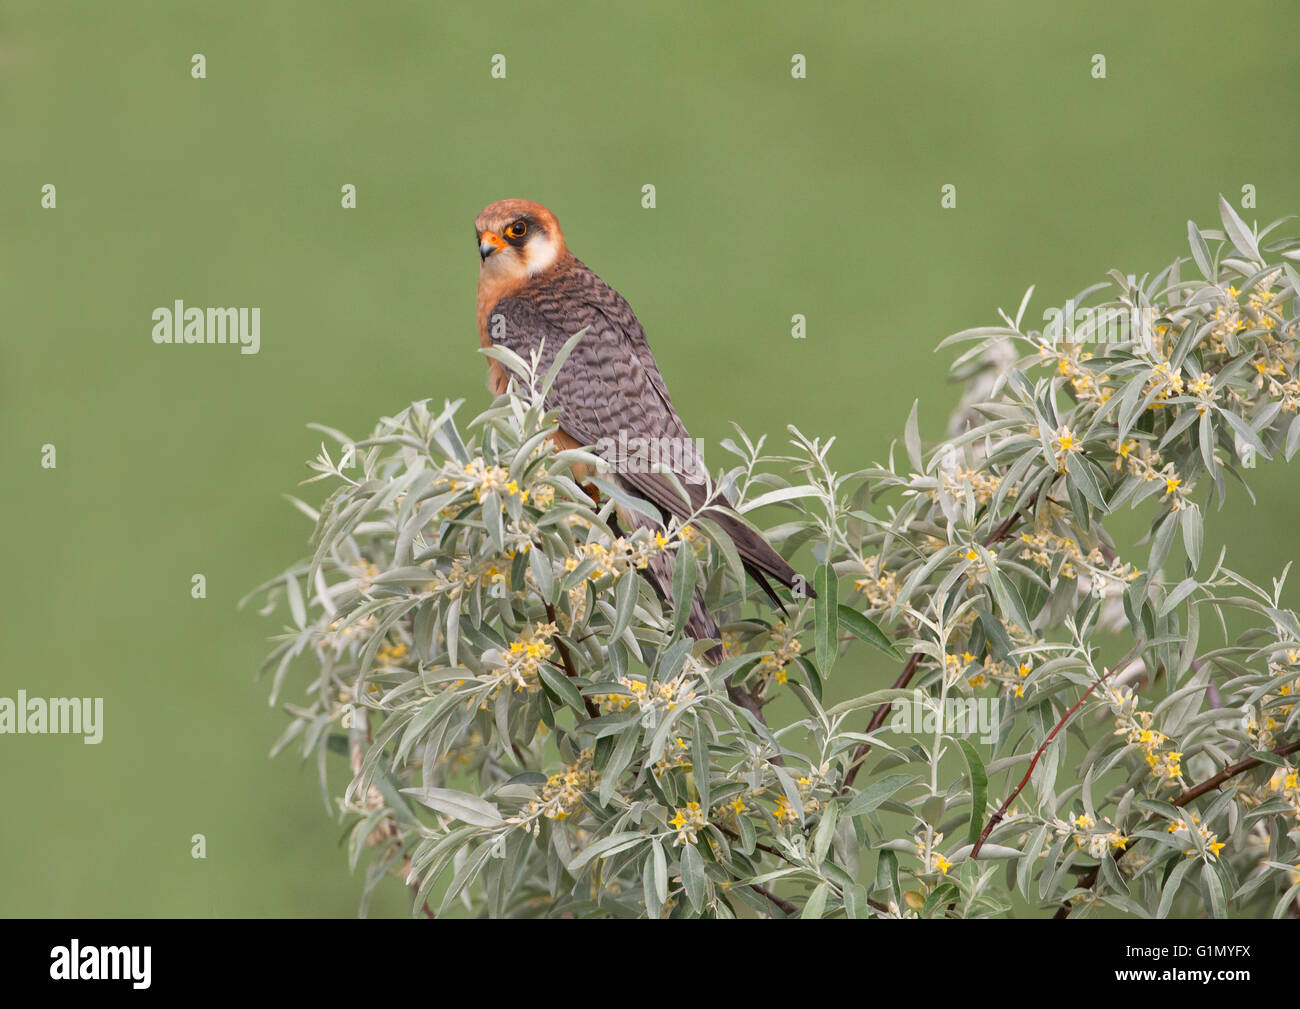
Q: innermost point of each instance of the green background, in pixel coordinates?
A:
(775, 196)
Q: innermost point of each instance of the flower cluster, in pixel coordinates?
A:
(1198, 838)
(651, 696)
(784, 648)
(688, 822)
(522, 660)
(1097, 839)
(1145, 462)
(561, 795)
(1135, 726)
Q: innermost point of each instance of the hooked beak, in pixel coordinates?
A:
(488, 243)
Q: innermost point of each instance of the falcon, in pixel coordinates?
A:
(531, 289)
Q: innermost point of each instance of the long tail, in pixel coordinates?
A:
(757, 556)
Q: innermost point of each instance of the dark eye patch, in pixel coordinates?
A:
(529, 226)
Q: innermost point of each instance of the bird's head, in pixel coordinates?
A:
(517, 239)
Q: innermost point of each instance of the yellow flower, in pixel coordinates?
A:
(1065, 440)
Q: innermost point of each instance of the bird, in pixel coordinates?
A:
(533, 293)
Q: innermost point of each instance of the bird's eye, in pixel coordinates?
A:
(517, 230)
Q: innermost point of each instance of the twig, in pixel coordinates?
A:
(780, 902)
(1089, 879)
(996, 818)
(1231, 771)
(909, 670)
(567, 659)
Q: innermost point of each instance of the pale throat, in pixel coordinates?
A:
(502, 274)
(542, 253)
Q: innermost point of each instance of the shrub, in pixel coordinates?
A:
(528, 732)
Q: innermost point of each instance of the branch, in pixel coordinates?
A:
(1231, 771)
(569, 669)
(996, 818)
(909, 670)
(780, 902)
(1089, 879)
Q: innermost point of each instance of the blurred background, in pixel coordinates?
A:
(775, 196)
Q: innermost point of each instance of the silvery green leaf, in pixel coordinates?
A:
(1200, 253)
(693, 876)
(453, 628)
(1079, 472)
(912, 437)
(543, 574)
(1192, 534)
(865, 629)
(296, 606)
(1240, 235)
(1245, 431)
(1214, 891)
(825, 832)
(655, 883)
(606, 846)
(685, 573)
(1291, 274)
(624, 750)
(1184, 589)
(626, 593)
(493, 521)
(1293, 437)
(458, 805)
(1206, 438)
(784, 494)
(562, 686)
(826, 613)
(870, 798)
(700, 764)
(979, 785)
(816, 905)
(725, 545)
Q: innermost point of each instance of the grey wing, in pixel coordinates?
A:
(606, 386)
(618, 314)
